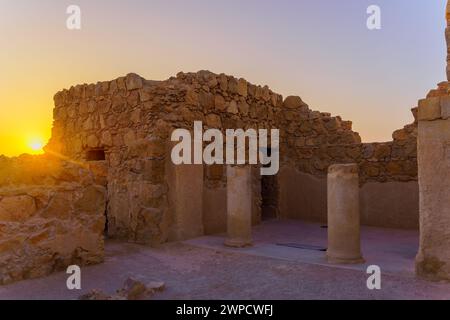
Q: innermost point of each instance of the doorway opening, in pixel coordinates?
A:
(269, 195)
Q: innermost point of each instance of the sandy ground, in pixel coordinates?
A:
(203, 269)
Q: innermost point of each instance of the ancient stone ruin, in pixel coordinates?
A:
(107, 168)
(107, 171)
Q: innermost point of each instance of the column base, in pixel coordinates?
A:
(237, 243)
(432, 269)
(340, 260)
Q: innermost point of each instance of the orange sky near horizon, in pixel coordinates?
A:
(370, 78)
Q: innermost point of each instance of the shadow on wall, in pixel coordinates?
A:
(383, 204)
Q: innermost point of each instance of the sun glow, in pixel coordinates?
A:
(36, 145)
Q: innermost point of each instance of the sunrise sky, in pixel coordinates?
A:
(318, 49)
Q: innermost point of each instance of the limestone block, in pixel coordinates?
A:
(133, 81)
(192, 97)
(104, 87)
(129, 137)
(92, 201)
(242, 87)
(106, 139)
(17, 208)
(266, 94)
(258, 92)
(92, 141)
(71, 111)
(213, 121)
(293, 102)
(232, 107)
(83, 108)
(382, 150)
(59, 99)
(135, 116)
(244, 108)
(233, 85)
(104, 106)
(88, 124)
(117, 140)
(59, 206)
(133, 99)
(219, 102)
(429, 109)
(121, 83)
(118, 103)
(206, 100)
(400, 135)
(223, 82)
(212, 83)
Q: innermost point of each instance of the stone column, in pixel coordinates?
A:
(185, 199)
(186, 202)
(344, 241)
(433, 259)
(239, 206)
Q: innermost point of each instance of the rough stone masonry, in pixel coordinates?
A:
(130, 120)
(107, 169)
(51, 216)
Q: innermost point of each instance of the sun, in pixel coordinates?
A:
(36, 145)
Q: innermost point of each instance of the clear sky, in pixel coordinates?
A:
(318, 49)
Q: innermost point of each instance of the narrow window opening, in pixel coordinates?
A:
(95, 155)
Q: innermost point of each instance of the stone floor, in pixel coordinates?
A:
(203, 269)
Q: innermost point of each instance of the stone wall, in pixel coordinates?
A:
(52, 215)
(114, 115)
(130, 119)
